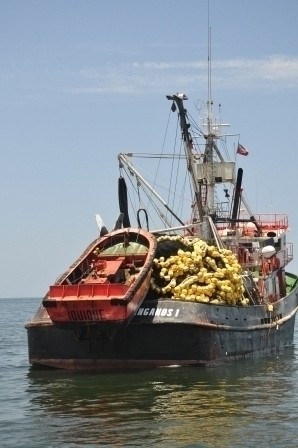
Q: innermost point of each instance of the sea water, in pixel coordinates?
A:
(241, 404)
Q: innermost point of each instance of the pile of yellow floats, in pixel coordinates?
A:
(200, 273)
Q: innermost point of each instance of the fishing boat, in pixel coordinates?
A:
(107, 283)
(218, 288)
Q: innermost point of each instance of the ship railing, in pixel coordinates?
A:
(189, 226)
(222, 210)
(252, 267)
(251, 259)
(272, 222)
(286, 255)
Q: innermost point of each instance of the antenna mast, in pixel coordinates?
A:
(209, 65)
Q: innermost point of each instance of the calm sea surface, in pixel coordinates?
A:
(243, 404)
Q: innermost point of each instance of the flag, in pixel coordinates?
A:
(241, 150)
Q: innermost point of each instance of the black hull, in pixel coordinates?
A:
(163, 333)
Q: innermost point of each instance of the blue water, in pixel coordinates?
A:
(243, 404)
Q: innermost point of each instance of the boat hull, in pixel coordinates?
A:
(163, 333)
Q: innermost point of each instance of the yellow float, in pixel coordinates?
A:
(198, 273)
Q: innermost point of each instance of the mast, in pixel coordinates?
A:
(203, 184)
(210, 136)
(188, 145)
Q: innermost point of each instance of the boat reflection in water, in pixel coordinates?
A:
(163, 407)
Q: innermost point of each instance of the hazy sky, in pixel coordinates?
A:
(82, 80)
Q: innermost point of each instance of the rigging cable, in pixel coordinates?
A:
(162, 150)
(172, 169)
